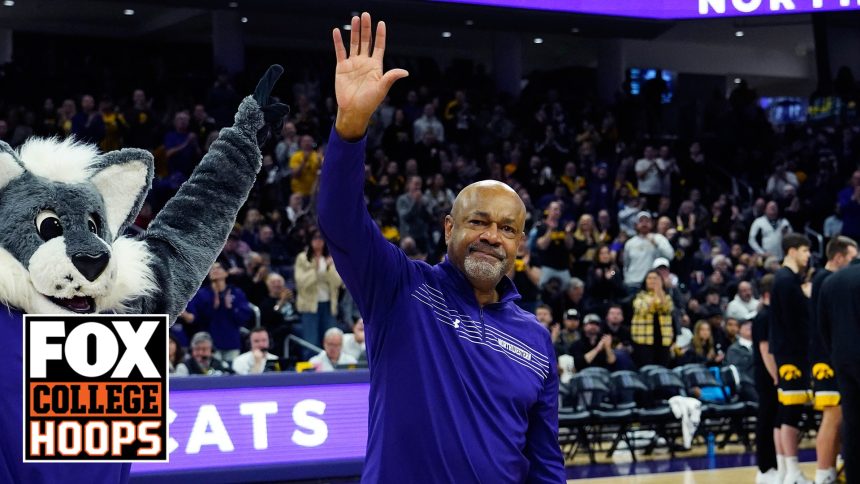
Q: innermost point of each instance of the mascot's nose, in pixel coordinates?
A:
(90, 265)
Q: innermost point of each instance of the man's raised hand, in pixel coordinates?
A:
(359, 83)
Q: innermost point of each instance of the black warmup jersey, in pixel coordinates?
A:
(817, 350)
(789, 329)
(839, 315)
(760, 332)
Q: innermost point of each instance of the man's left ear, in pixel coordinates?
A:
(449, 225)
(123, 178)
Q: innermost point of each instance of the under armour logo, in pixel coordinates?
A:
(456, 323)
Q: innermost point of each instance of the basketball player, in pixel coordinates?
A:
(839, 323)
(840, 252)
(789, 333)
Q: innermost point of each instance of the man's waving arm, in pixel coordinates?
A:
(372, 268)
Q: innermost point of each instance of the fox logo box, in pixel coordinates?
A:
(95, 388)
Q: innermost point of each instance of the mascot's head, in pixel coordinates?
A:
(63, 207)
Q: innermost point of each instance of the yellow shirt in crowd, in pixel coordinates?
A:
(303, 182)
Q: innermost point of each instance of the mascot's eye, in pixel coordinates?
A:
(48, 225)
(93, 225)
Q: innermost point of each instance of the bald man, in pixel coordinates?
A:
(463, 384)
(743, 304)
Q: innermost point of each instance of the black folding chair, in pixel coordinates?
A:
(607, 420)
(649, 368)
(627, 390)
(663, 384)
(573, 433)
(721, 418)
(583, 393)
(731, 379)
(601, 374)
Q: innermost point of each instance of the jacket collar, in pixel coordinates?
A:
(506, 288)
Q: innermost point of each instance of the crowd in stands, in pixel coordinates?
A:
(640, 249)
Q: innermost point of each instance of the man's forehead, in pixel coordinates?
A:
(492, 201)
(497, 213)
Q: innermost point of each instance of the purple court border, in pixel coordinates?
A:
(672, 9)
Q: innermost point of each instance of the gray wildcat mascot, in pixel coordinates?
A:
(63, 210)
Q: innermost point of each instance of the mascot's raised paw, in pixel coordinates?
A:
(273, 113)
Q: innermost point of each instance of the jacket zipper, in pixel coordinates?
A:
(483, 331)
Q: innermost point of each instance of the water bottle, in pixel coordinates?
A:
(712, 451)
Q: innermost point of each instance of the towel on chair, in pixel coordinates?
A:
(689, 411)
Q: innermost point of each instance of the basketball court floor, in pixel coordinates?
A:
(734, 475)
(730, 465)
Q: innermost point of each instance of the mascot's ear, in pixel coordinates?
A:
(123, 178)
(10, 167)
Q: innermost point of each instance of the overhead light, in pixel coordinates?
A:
(8, 3)
(470, 22)
(233, 4)
(128, 11)
(737, 80)
(574, 30)
(538, 40)
(739, 33)
(347, 27)
(244, 20)
(446, 34)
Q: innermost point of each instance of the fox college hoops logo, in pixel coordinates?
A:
(95, 388)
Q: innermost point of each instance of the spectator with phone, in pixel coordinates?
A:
(258, 359)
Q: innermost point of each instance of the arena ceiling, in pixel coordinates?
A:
(189, 19)
(416, 24)
(415, 21)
